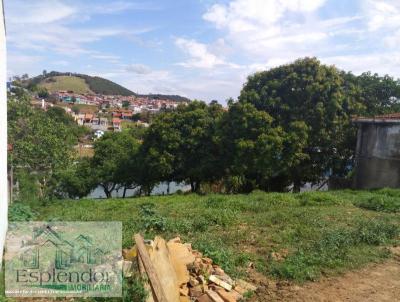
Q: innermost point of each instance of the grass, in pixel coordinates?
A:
(385, 200)
(322, 233)
(78, 85)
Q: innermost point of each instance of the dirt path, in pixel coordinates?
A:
(377, 282)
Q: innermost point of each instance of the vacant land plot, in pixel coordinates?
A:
(264, 237)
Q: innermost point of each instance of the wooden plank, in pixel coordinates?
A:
(161, 260)
(146, 285)
(151, 273)
(214, 296)
(218, 281)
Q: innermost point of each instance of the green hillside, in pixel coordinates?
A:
(79, 83)
(75, 84)
(82, 83)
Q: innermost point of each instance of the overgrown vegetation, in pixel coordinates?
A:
(321, 232)
(381, 203)
(291, 125)
(315, 233)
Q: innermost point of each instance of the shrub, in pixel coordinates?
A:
(20, 212)
(150, 220)
(380, 203)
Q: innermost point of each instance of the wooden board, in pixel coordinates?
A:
(158, 291)
(160, 257)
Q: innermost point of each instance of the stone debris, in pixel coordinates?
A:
(185, 274)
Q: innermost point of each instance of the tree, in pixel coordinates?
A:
(42, 93)
(310, 93)
(257, 154)
(374, 94)
(77, 180)
(59, 115)
(115, 160)
(125, 104)
(41, 146)
(182, 145)
(75, 109)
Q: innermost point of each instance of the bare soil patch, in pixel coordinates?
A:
(376, 282)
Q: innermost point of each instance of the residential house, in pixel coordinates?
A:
(116, 124)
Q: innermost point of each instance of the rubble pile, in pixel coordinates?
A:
(178, 273)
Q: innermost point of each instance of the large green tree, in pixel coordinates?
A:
(41, 146)
(183, 145)
(374, 94)
(115, 161)
(257, 154)
(310, 93)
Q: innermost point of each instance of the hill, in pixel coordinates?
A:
(56, 83)
(82, 83)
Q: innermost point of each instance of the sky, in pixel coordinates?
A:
(202, 49)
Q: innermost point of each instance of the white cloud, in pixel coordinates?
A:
(138, 69)
(266, 28)
(244, 15)
(382, 14)
(381, 63)
(200, 56)
(49, 26)
(37, 12)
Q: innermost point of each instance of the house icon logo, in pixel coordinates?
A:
(64, 259)
(64, 253)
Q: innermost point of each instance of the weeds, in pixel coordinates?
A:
(318, 198)
(333, 250)
(323, 231)
(150, 220)
(381, 203)
(222, 256)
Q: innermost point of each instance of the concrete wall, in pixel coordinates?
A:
(378, 155)
(3, 133)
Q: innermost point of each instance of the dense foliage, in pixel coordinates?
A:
(290, 125)
(322, 99)
(42, 144)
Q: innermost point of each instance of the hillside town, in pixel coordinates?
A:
(103, 113)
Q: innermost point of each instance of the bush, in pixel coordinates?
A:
(380, 203)
(28, 188)
(20, 212)
(150, 220)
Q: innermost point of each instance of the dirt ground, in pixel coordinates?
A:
(376, 282)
